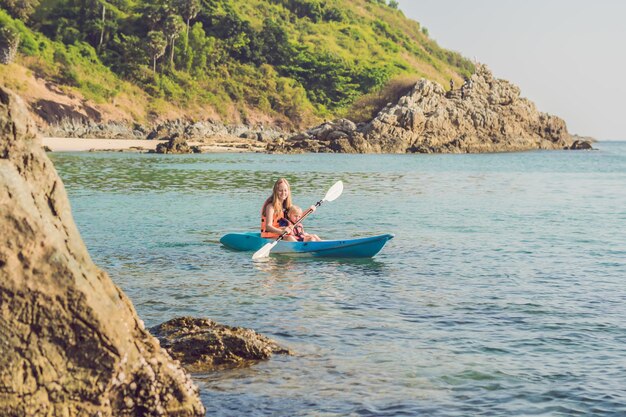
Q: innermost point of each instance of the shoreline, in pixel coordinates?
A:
(235, 145)
(57, 144)
(86, 145)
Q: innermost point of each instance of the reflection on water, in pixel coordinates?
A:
(501, 294)
(281, 267)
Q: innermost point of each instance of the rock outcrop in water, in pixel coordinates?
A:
(70, 340)
(203, 345)
(489, 116)
(176, 145)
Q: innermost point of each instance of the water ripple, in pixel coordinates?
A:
(502, 293)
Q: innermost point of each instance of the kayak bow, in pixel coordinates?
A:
(365, 247)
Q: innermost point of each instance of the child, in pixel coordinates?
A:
(293, 215)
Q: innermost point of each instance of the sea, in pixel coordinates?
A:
(503, 292)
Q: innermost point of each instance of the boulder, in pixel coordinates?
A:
(249, 135)
(176, 145)
(202, 344)
(70, 340)
(336, 134)
(345, 125)
(580, 145)
(168, 129)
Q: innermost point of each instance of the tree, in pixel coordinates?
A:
(101, 22)
(275, 47)
(172, 28)
(328, 79)
(156, 46)
(21, 9)
(104, 10)
(238, 36)
(188, 9)
(9, 41)
(153, 14)
(372, 78)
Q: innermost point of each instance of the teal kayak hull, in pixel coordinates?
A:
(365, 247)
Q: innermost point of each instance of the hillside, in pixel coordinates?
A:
(280, 63)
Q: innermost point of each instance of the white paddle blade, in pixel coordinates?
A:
(334, 192)
(264, 251)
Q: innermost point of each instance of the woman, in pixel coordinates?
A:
(274, 209)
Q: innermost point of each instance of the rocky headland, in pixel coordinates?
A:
(485, 115)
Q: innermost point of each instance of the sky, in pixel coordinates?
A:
(567, 56)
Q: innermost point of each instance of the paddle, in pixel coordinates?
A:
(332, 194)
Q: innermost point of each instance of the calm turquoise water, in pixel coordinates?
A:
(503, 293)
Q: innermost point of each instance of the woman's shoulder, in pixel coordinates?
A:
(267, 203)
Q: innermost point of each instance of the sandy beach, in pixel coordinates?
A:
(80, 144)
(89, 144)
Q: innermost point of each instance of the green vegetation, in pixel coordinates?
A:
(294, 60)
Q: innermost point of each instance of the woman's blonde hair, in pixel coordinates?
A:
(279, 206)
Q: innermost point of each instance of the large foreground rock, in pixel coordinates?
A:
(489, 116)
(70, 341)
(203, 345)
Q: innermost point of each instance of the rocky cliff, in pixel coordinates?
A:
(485, 115)
(70, 340)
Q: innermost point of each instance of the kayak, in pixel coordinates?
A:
(364, 247)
